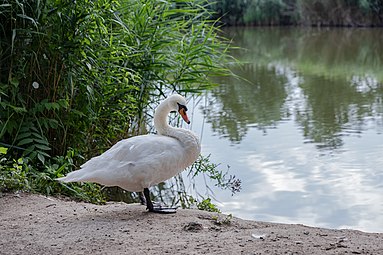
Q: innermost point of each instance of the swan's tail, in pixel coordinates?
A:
(75, 176)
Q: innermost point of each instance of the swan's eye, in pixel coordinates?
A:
(181, 106)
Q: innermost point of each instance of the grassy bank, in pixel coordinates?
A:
(77, 76)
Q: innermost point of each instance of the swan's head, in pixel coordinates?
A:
(178, 103)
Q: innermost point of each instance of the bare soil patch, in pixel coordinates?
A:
(35, 224)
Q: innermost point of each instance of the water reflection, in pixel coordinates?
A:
(304, 127)
(232, 109)
(333, 88)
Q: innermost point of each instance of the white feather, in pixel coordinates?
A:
(143, 161)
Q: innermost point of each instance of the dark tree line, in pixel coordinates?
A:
(353, 13)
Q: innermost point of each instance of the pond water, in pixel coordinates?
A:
(303, 130)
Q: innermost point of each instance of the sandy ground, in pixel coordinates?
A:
(34, 224)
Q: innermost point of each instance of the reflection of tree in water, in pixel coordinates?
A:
(336, 107)
(340, 80)
(333, 107)
(236, 104)
(339, 52)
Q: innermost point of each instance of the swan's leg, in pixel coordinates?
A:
(157, 209)
(142, 198)
(149, 204)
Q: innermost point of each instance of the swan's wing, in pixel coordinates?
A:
(139, 148)
(134, 163)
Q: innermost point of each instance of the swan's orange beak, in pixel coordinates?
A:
(183, 114)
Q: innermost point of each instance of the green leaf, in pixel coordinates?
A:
(32, 155)
(53, 123)
(41, 157)
(37, 135)
(14, 82)
(42, 147)
(44, 154)
(25, 141)
(3, 150)
(18, 109)
(25, 127)
(30, 149)
(24, 135)
(63, 103)
(55, 106)
(41, 141)
(33, 128)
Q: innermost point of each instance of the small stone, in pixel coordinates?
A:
(193, 226)
(259, 236)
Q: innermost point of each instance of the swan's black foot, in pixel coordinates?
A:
(163, 210)
(157, 208)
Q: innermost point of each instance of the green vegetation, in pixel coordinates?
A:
(301, 12)
(222, 179)
(206, 205)
(77, 76)
(225, 221)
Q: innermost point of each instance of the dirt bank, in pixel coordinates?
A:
(34, 224)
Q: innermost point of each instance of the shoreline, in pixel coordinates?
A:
(35, 224)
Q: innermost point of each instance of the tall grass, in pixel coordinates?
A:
(76, 76)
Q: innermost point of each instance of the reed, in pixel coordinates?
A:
(76, 76)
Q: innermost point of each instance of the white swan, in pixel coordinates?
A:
(137, 163)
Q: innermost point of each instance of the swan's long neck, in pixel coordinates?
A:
(161, 119)
(162, 126)
(189, 140)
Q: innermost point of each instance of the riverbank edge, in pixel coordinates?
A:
(36, 224)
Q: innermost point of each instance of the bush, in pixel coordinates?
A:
(13, 173)
(82, 75)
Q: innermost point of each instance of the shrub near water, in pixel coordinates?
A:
(76, 76)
